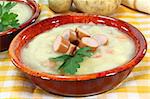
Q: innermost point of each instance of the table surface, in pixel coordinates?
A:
(14, 85)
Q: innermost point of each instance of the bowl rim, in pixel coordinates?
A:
(36, 12)
(111, 72)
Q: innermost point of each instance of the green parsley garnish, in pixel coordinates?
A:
(7, 18)
(71, 62)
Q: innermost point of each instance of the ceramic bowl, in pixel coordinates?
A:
(77, 85)
(7, 36)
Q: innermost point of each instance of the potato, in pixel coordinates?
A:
(100, 7)
(60, 5)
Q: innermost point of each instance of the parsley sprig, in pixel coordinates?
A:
(71, 62)
(7, 18)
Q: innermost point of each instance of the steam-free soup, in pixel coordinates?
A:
(119, 50)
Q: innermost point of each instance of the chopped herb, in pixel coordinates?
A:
(62, 58)
(7, 18)
(71, 62)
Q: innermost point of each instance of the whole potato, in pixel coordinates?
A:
(60, 5)
(101, 7)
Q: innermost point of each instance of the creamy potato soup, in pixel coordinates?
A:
(23, 11)
(119, 50)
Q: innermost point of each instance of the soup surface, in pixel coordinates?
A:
(23, 11)
(119, 50)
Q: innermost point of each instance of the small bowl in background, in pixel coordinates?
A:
(7, 36)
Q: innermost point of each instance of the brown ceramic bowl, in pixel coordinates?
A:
(7, 36)
(77, 85)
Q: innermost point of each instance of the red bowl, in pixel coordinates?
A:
(77, 85)
(7, 36)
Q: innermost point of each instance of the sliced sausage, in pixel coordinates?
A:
(101, 39)
(76, 42)
(66, 34)
(70, 35)
(61, 45)
(73, 36)
(89, 42)
(71, 49)
(77, 48)
(81, 33)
